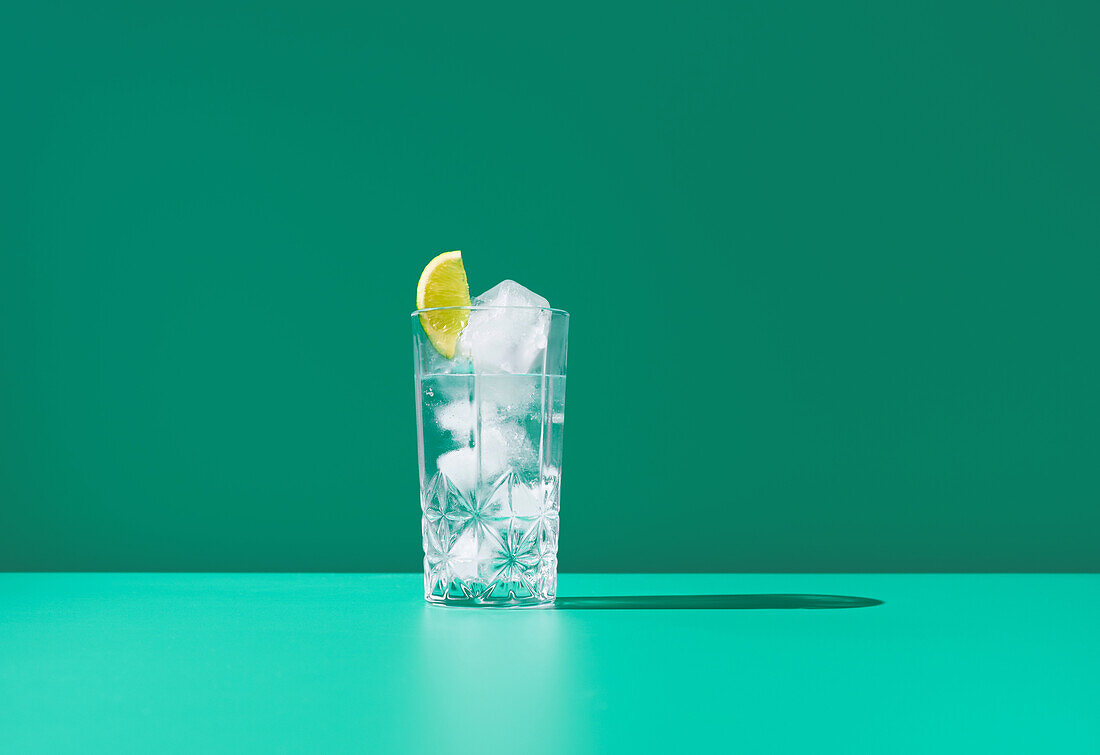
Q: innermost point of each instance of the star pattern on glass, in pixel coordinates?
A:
(546, 520)
(439, 497)
(472, 512)
(437, 494)
(496, 543)
(517, 559)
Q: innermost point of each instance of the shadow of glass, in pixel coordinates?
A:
(677, 602)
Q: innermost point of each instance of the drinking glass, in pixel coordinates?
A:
(489, 444)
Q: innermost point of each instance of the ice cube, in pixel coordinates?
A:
(511, 338)
(460, 467)
(499, 446)
(502, 399)
(470, 555)
(457, 417)
(434, 363)
(508, 293)
(493, 445)
(526, 501)
(511, 395)
(509, 443)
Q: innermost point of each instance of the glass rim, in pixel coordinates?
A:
(472, 307)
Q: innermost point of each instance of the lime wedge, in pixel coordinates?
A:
(443, 284)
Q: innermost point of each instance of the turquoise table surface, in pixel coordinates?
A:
(358, 663)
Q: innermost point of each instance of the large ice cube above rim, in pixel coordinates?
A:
(508, 293)
(510, 336)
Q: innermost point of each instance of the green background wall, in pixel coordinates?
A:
(833, 270)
